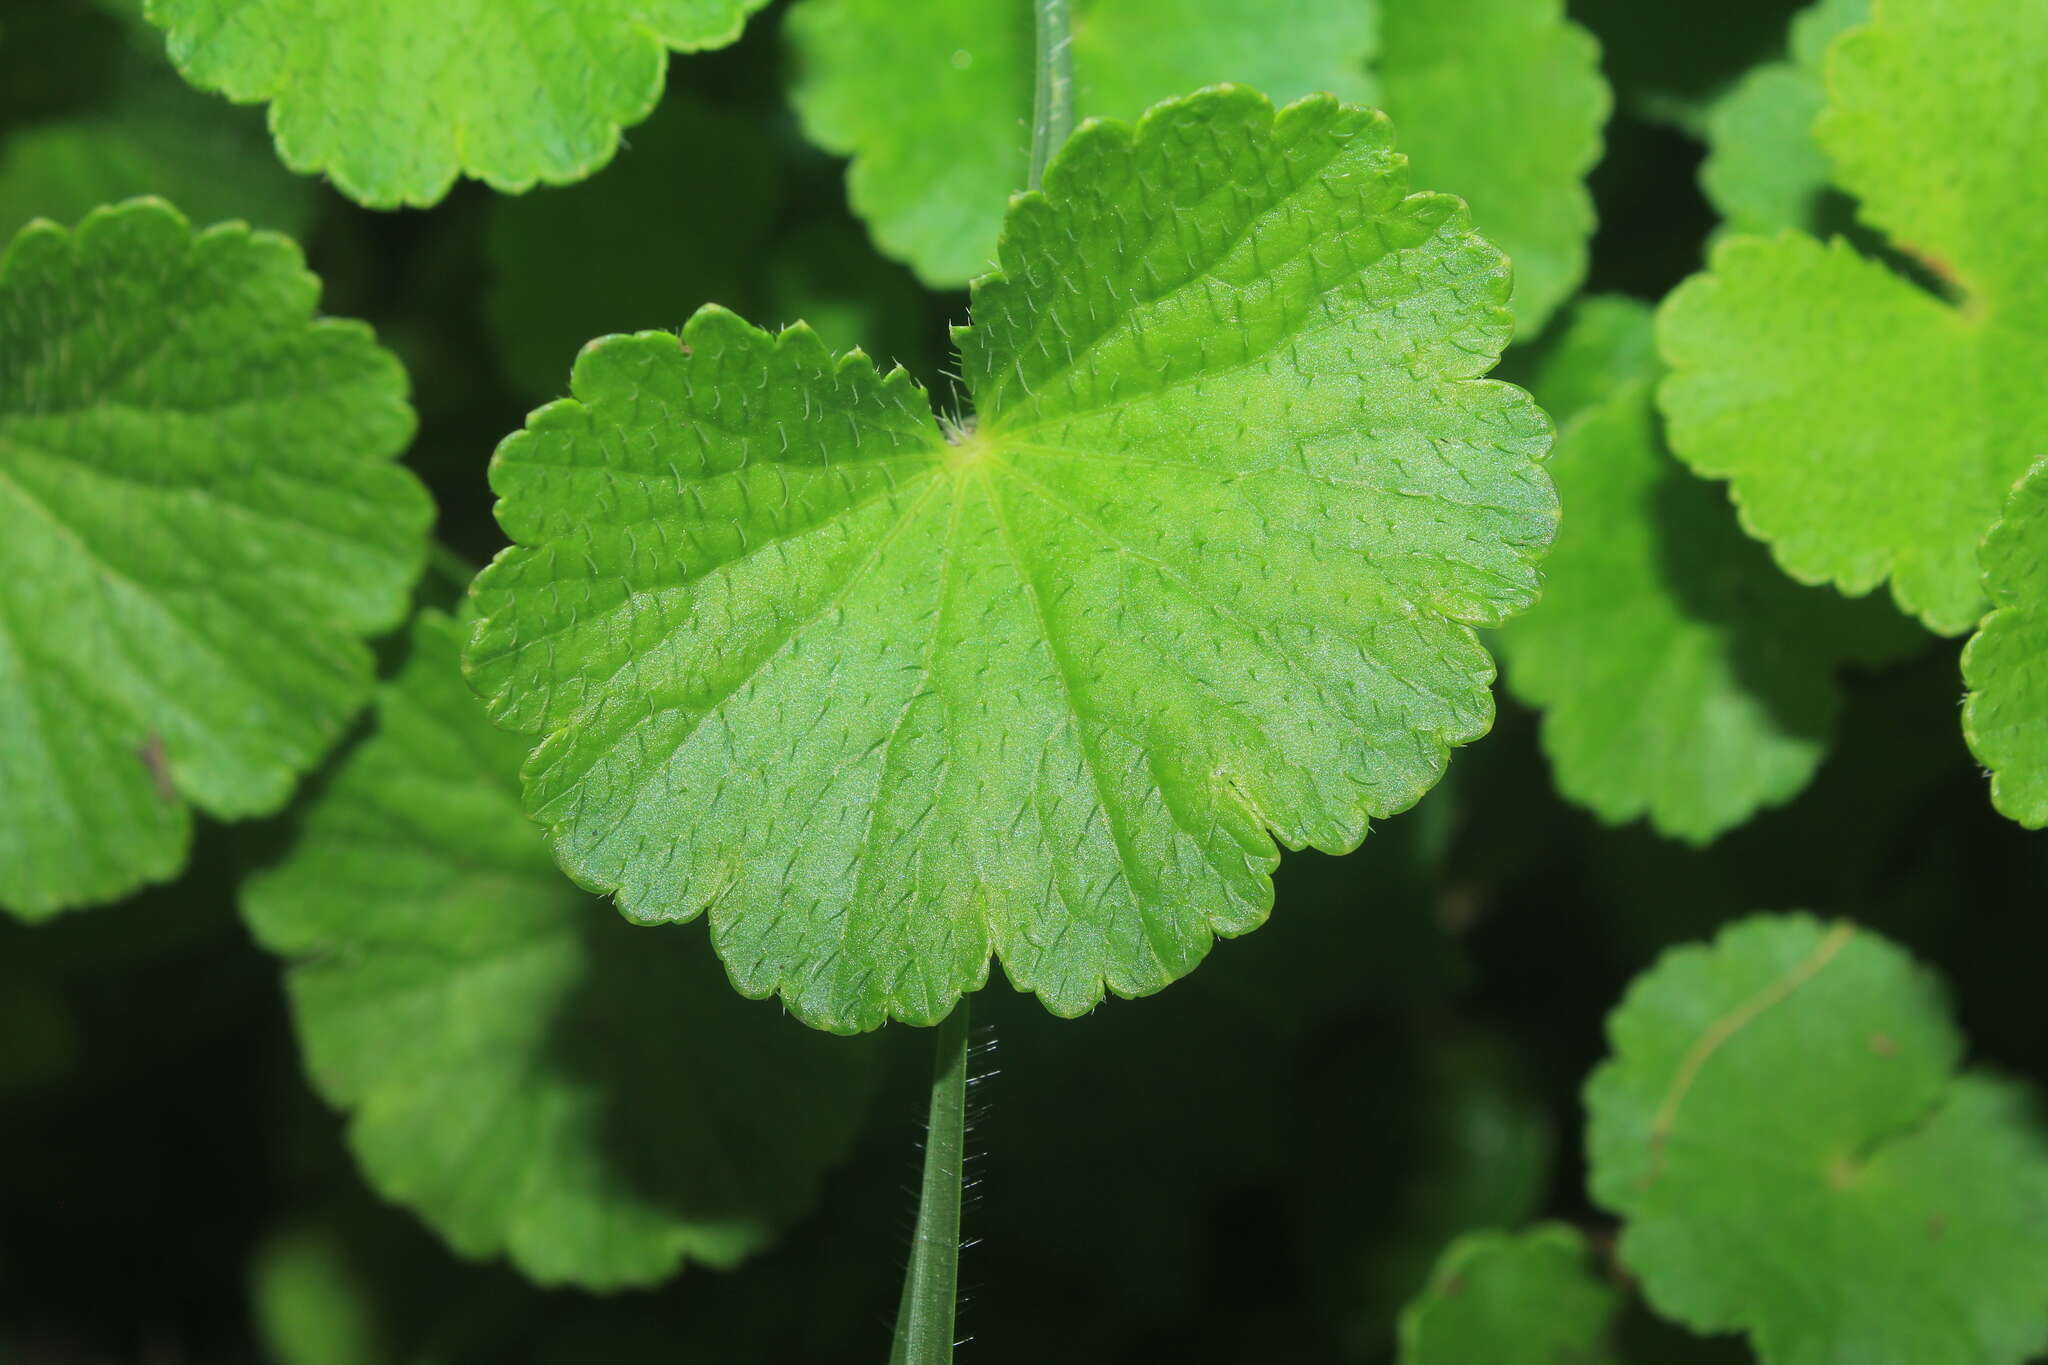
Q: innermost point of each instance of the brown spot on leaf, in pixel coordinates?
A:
(158, 763)
(1937, 1227)
(1936, 265)
(1883, 1046)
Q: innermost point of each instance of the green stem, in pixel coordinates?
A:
(924, 1317)
(1053, 106)
(926, 1313)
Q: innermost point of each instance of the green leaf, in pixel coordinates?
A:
(130, 127)
(1607, 344)
(310, 1303)
(2006, 664)
(1500, 100)
(392, 101)
(213, 162)
(1681, 676)
(1763, 169)
(1782, 1127)
(1868, 428)
(532, 1076)
(345, 1279)
(202, 520)
(884, 696)
(931, 175)
(1532, 1298)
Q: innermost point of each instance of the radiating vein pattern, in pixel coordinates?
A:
(199, 517)
(1200, 573)
(1781, 1117)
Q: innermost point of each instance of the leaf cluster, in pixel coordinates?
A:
(1120, 648)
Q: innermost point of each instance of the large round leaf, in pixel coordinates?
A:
(199, 521)
(1201, 572)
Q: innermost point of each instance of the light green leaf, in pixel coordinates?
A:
(2006, 663)
(534, 1077)
(1869, 428)
(884, 696)
(1782, 1127)
(931, 175)
(1532, 1298)
(1763, 169)
(1607, 344)
(1500, 100)
(201, 520)
(930, 181)
(393, 99)
(1682, 677)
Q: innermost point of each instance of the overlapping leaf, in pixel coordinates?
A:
(1782, 1128)
(1533, 1298)
(202, 519)
(393, 99)
(1869, 426)
(1499, 100)
(131, 127)
(2006, 663)
(530, 1074)
(173, 143)
(1763, 169)
(885, 696)
(1502, 103)
(931, 176)
(1682, 677)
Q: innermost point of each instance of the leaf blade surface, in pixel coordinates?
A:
(533, 1077)
(1205, 563)
(205, 518)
